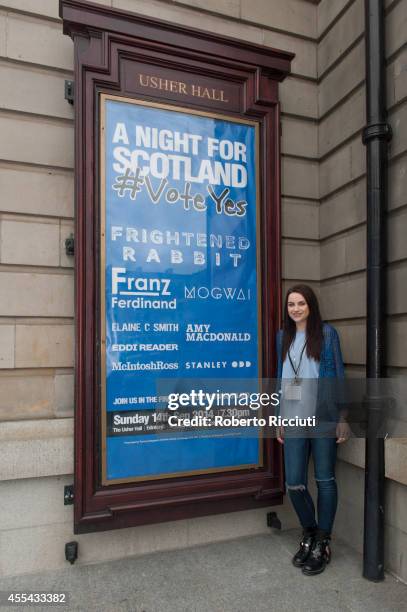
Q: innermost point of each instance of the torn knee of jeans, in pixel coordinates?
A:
(325, 479)
(299, 487)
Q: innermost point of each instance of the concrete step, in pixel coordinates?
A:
(251, 574)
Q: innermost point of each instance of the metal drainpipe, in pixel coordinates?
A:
(376, 135)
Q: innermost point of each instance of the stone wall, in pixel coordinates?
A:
(342, 222)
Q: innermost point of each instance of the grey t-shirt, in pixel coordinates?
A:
(308, 372)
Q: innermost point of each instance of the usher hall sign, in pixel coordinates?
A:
(177, 262)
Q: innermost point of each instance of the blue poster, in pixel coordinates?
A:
(179, 281)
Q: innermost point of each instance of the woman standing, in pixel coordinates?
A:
(308, 350)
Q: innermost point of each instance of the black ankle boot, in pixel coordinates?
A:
(319, 556)
(303, 552)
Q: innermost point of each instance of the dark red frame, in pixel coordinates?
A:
(109, 44)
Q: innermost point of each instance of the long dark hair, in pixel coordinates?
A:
(314, 334)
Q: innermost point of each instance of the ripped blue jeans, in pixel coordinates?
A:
(297, 452)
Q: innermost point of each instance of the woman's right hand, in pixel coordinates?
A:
(280, 434)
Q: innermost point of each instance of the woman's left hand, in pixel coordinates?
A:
(343, 432)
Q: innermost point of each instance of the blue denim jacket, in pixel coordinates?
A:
(331, 366)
